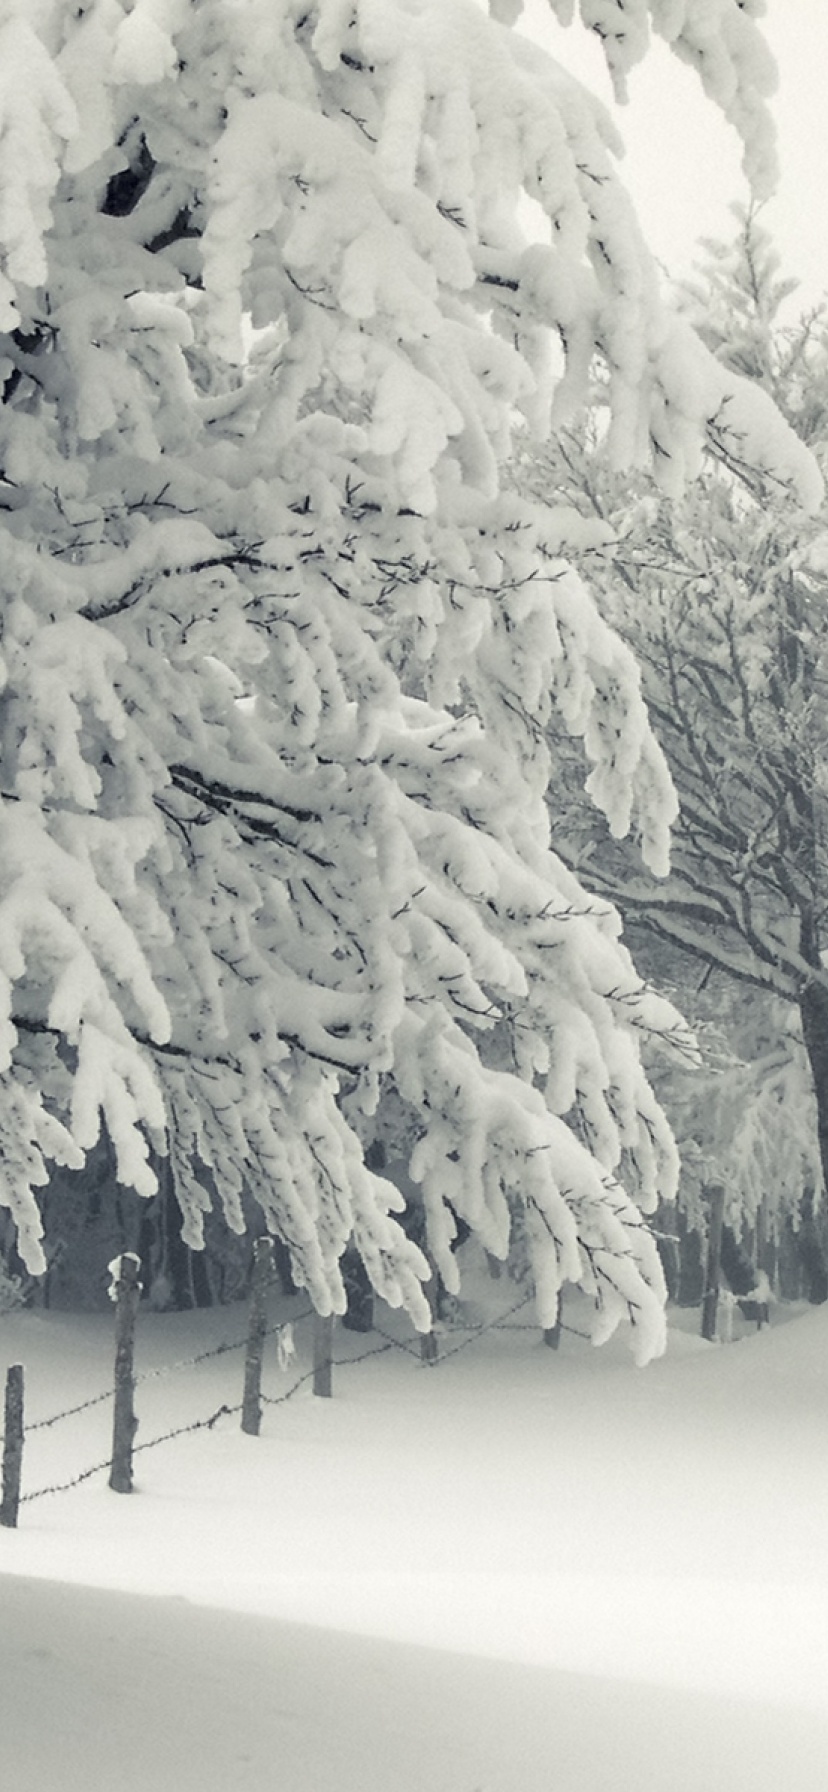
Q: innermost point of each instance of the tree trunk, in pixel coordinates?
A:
(710, 1303)
(767, 1247)
(813, 1010)
(359, 1312)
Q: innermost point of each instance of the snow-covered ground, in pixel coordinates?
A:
(522, 1571)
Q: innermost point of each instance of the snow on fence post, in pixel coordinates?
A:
(125, 1290)
(552, 1333)
(322, 1354)
(712, 1272)
(12, 1446)
(262, 1275)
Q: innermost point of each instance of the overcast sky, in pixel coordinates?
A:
(683, 162)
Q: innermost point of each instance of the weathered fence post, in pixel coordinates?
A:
(322, 1354)
(126, 1292)
(712, 1272)
(429, 1344)
(552, 1333)
(262, 1276)
(12, 1446)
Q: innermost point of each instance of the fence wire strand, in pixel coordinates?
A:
(189, 1362)
(501, 1322)
(70, 1411)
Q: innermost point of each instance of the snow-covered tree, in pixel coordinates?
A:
(723, 599)
(279, 649)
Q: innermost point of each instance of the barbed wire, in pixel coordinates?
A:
(85, 1474)
(202, 1356)
(500, 1322)
(229, 1345)
(412, 1350)
(559, 1326)
(98, 1468)
(190, 1362)
(443, 1330)
(223, 1411)
(336, 1362)
(69, 1412)
(478, 1331)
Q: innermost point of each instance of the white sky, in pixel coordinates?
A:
(683, 162)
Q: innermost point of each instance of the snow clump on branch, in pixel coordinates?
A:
(280, 649)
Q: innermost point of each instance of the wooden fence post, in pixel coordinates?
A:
(12, 1446)
(429, 1343)
(552, 1333)
(126, 1292)
(712, 1273)
(322, 1354)
(262, 1275)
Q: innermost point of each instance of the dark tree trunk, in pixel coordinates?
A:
(813, 1010)
(767, 1246)
(737, 1268)
(284, 1270)
(712, 1276)
(810, 1245)
(359, 1313)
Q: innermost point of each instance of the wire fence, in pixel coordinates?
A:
(450, 1345)
(189, 1362)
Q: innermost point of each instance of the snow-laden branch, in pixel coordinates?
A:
(281, 653)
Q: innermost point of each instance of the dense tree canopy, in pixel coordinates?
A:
(279, 651)
(722, 597)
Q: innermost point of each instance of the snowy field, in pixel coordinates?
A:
(518, 1572)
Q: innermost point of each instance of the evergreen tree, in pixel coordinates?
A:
(280, 651)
